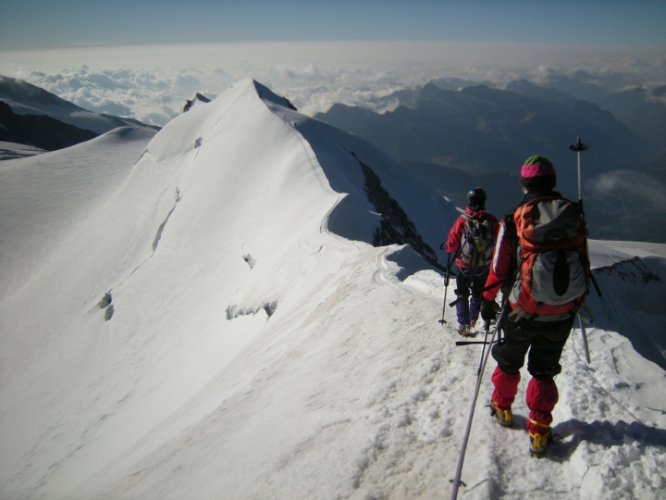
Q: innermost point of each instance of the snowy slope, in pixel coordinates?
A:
(203, 315)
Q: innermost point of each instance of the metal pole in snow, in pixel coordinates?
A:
(578, 148)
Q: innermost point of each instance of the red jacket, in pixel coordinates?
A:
(455, 234)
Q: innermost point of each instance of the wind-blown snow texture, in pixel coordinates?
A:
(202, 314)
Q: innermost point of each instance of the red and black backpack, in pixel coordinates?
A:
(553, 271)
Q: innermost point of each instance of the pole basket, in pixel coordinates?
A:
(579, 146)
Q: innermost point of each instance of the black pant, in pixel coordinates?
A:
(468, 280)
(544, 340)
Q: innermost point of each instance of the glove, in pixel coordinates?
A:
(488, 310)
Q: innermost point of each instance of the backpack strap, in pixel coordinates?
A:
(511, 236)
(510, 231)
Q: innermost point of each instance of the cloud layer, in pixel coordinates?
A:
(153, 83)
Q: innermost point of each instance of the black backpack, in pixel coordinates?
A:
(476, 246)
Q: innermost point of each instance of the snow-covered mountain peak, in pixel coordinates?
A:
(231, 132)
(232, 223)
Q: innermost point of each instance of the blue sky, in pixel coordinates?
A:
(35, 24)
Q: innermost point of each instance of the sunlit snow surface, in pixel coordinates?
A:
(201, 314)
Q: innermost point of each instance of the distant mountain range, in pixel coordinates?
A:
(480, 129)
(29, 115)
(456, 137)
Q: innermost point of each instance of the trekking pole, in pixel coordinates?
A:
(486, 328)
(463, 448)
(585, 346)
(446, 287)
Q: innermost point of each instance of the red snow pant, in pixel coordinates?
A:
(544, 341)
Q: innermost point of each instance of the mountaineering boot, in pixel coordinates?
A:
(503, 417)
(463, 330)
(540, 437)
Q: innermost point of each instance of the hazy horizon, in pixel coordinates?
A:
(151, 83)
